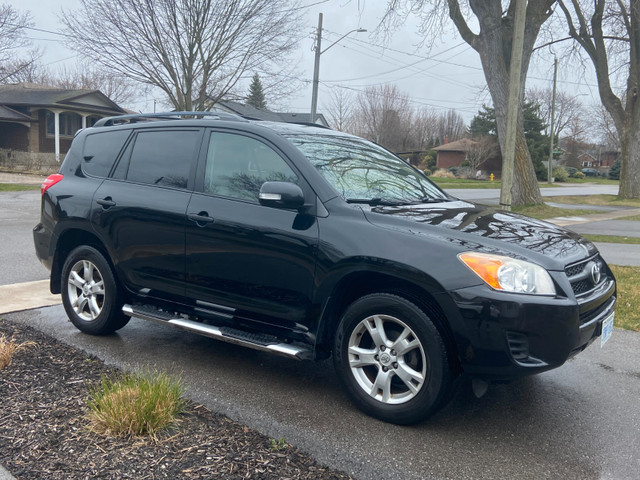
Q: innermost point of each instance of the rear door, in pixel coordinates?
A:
(246, 261)
(140, 211)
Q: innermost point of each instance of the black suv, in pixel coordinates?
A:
(309, 243)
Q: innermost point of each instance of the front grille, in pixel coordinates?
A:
(582, 277)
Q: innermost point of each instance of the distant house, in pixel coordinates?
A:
(250, 111)
(587, 160)
(41, 119)
(455, 153)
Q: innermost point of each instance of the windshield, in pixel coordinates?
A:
(364, 172)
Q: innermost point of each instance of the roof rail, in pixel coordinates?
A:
(146, 117)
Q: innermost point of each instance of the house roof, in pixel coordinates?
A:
(29, 94)
(264, 114)
(12, 115)
(462, 145)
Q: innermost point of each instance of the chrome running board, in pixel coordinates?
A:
(265, 343)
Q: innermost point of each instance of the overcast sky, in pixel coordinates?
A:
(448, 76)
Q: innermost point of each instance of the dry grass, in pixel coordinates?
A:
(547, 211)
(442, 173)
(8, 348)
(135, 405)
(611, 200)
(628, 306)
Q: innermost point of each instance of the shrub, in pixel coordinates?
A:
(441, 173)
(135, 405)
(8, 348)
(427, 172)
(560, 174)
(577, 174)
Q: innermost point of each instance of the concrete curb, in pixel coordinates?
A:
(27, 295)
(5, 475)
(596, 217)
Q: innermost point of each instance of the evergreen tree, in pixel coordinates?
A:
(614, 171)
(256, 94)
(484, 123)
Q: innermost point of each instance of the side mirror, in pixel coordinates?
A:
(281, 195)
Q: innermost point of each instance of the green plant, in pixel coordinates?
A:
(278, 445)
(614, 171)
(560, 174)
(135, 404)
(577, 174)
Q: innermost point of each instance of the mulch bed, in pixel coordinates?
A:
(44, 432)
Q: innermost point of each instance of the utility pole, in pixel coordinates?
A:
(513, 103)
(553, 117)
(316, 70)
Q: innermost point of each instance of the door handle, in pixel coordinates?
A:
(106, 202)
(201, 218)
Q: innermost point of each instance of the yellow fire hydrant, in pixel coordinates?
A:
(491, 177)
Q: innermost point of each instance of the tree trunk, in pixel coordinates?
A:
(493, 44)
(630, 154)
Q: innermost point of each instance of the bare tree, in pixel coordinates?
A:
(195, 51)
(340, 110)
(12, 39)
(608, 32)
(480, 150)
(425, 129)
(120, 89)
(384, 115)
(605, 126)
(451, 127)
(492, 41)
(568, 109)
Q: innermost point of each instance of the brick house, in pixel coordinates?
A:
(41, 119)
(455, 153)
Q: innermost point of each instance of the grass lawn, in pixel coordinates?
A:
(635, 218)
(611, 239)
(546, 211)
(17, 187)
(628, 307)
(611, 200)
(598, 180)
(463, 183)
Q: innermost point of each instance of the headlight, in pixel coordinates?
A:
(508, 274)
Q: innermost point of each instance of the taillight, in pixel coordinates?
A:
(50, 182)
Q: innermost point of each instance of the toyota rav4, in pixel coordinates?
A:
(310, 243)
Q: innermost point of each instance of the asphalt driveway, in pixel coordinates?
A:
(577, 422)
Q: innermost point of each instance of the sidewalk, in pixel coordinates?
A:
(21, 178)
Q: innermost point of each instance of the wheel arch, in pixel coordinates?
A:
(67, 241)
(358, 284)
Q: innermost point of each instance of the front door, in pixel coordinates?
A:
(256, 263)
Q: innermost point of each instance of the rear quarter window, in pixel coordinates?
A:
(101, 150)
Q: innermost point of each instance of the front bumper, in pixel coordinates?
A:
(502, 336)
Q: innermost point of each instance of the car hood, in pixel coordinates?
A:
(502, 231)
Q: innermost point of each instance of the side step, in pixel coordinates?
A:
(265, 343)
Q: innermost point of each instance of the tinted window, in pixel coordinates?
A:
(163, 157)
(101, 150)
(237, 166)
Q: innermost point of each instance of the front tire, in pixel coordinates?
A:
(90, 295)
(391, 359)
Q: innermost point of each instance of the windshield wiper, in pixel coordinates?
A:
(378, 201)
(434, 200)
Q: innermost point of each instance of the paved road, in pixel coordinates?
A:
(19, 213)
(577, 422)
(490, 196)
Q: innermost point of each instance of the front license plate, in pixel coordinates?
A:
(607, 329)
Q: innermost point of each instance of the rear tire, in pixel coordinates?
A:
(90, 295)
(392, 359)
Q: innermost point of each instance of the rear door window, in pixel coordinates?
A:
(162, 157)
(101, 150)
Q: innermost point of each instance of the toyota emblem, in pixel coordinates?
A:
(595, 273)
